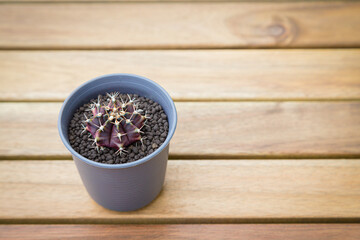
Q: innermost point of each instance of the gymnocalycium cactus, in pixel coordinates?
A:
(116, 124)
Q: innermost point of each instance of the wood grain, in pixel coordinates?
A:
(184, 231)
(250, 129)
(227, 191)
(179, 25)
(188, 75)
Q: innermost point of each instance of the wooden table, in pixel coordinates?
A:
(268, 98)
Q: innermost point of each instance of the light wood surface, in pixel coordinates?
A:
(224, 191)
(268, 101)
(180, 231)
(179, 25)
(209, 129)
(188, 75)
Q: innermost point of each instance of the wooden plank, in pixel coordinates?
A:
(179, 25)
(188, 75)
(184, 231)
(227, 191)
(209, 129)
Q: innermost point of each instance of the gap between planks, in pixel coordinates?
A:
(197, 157)
(171, 48)
(158, 1)
(176, 221)
(189, 100)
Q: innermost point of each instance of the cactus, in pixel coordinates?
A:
(116, 124)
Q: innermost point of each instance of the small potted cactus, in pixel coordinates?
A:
(116, 174)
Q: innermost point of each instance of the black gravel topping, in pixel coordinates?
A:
(155, 133)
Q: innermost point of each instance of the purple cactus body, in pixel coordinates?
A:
(115, 125)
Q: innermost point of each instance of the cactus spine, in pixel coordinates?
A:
(116, 124)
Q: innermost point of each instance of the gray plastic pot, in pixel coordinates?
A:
(129, 186)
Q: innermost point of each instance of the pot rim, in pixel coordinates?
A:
(123, 165)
